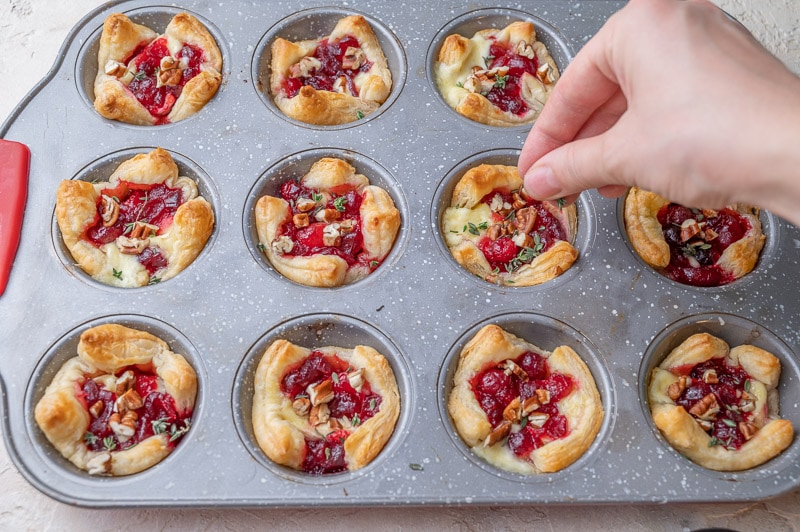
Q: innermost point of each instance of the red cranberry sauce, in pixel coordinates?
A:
(152, 204)
(309, 240)
(729, 391)
(157, 414)
(146, 65)
(327, 456)
(494, 389)
(330, 54)
(506, 91)
(693, 261)
(503, 254)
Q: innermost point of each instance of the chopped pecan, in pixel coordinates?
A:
(109, 212)
(129, 419)
(305, 204)
(301, 405)
(709, 213)
(501, 431)
(354, 58)
(340, 85)
(518, 201)
(282, 244)
(124, 382)
(710, 376)
(327, 215)
(97, 408)
(689, 228)
(509, 367)
(747, 403)
(525, 219)
(676, 388)
(142, 230)
(300, 220)
(499, 205)
(545, 73)
(169, 77)
(708, 234)
(529, 405)
(347, 226)
(513, 411)
(331, 236)
(331, 425)
(704, 424)
(525, 50)
(543, 396)
(496, 231)
(356, 379)
(319, 414)
(538, 419)
(114, 68)
(321, 392)
(706, 408)
(304, 67)
(748, 430)
(130, 400)
(523, 240)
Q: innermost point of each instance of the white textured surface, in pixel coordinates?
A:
(32, 33)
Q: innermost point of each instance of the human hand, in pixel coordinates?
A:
(674, 97)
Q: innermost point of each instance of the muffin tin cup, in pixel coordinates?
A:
(582, 241)
(547, 333)
(294, 167)
(155, 17)
(769, 226)
(65, 348)
(471, 22)
(417, 308)
(313, 331)
(734, 330)
(316, 23)
(100, 170)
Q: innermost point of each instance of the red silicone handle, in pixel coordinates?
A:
(14, 165)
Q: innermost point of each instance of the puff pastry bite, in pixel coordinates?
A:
(147, 79)
(333, 80)
(498, 77)
(325, 410)
(699, 247)
(719, 406)
(144, 225)
(120, 406)
(521, 408)
(329, 228)
(499, 233)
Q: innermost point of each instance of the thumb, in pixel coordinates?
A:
(570, 169)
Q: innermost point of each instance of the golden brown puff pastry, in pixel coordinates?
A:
(323, 411)
(499, 77)
(146, 79)
(719, 406)
(330, 228)
(497, 232)
(121, 405)
(333, 80)
(700, 247)
(521, 408)
(144, 225)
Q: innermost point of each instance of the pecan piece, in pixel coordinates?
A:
(543, 396)
(331, 236)
(97, 408)
(356, 379)
(109, 212)
(305, 204)
(501, 431)
(301, 405)
(319, 414)
(300, 220)
(321, 392)
(130, 400)
(523, 240)
(509, 367)
(748, 430)
(710, 376)
(706, 408)
(304, 67)
(538, 419)
(676, 388)
(513, 411)
(115, 68)
(529, 405)
(689, 228)
(327, 215)
(99, 464)
(525, 219)
(283, 244)
(525, 50)
(518, 201)
(124, 383)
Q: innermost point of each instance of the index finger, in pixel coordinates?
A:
(585, 86)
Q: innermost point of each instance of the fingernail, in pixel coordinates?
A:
(540, 182)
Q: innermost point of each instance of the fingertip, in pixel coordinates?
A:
(612, 191)
(541, 183)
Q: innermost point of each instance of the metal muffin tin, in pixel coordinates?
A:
(418, 308)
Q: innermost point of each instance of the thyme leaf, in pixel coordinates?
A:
(339, 203)
(359, 114)
(109, 444)
(416, 467)
(117, 273)
(500, 81)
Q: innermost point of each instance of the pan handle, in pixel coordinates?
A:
(14, 166)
